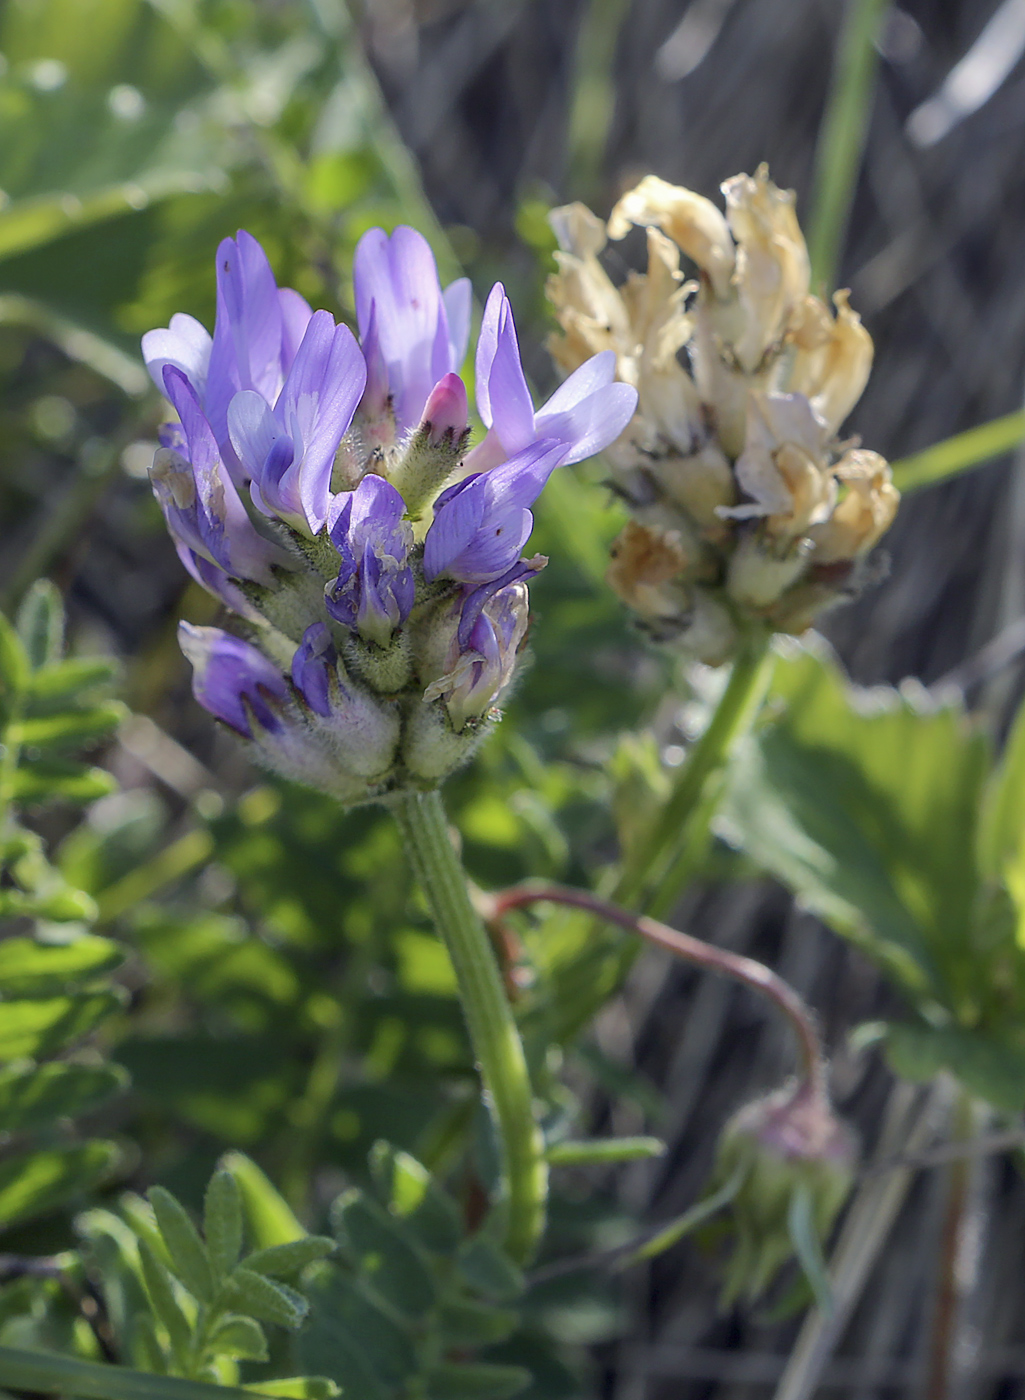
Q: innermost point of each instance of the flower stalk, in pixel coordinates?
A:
(751, 973)
(667, 857)
(493, 1033)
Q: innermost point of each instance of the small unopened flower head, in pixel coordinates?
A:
(744, 380)
(789, 1141)
(323, 489)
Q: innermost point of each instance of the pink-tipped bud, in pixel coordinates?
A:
(446, 413)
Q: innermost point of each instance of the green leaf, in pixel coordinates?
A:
(69, 682)
(222, 1221)
(288, 1260)
(30, 1028)
(401, 1178)
(960, 453)
(805, 1239)
(382, 1253)
(61, 782)
(71, 729)
(865, 804)
(42, 1093)
(478, 1381)
(39, 1182)
(57, 902)
(160, 1289)
(600, 1150)
(187, 1251)
(270, 1218)
(298, 1388)
(408, 1190)
(1002, 825)
(29, 968)
(465, 1323)
(49, 1373)
(490, 1271)
(270, 1302)
(345, 1322)
(40, 623)
(15, 670)
(239, 1337)
(993, 1070)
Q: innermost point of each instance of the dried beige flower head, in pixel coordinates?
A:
(748, 513)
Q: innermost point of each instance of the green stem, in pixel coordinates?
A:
(842, 137)
(676, 844)
(45, 1373)
(656, 878)
(493, 1034)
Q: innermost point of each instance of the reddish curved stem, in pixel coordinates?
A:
(682, 945)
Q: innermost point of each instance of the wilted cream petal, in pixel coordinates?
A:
(577, 230)
(772, 271)
(701, 483)
(646, 570)
(758, 574)
(783, 467)
(690, 220)
(863, 514)
(832, 371)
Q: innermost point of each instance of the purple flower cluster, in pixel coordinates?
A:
(320, 486)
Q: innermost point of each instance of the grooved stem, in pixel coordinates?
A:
(493, 1033)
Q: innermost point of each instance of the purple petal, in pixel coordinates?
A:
(253, 431)
(225, 533)
(313, 666)
(503, 398)
(378, 390)
(458, 299)
(398, 275)
(596, 373)
(323, 387)
(295, 317)
(247, 336)
(480, 597)
(592, 423)
(215, 581)
(229, 675)
(185, 344)
(457, 518)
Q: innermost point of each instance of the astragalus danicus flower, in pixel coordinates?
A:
(748, 512)
(322, 487)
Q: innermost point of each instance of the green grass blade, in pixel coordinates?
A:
(960, 453)
(842, 137)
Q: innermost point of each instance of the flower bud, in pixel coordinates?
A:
(786, 1141)
(321, 731)
(433, 451)
(374, 591)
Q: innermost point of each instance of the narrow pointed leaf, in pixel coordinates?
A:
(43, 1093)
(239, 1337)
(40, 1182)
(270, 1302)
(490, 1271)
(222, 1222)
(28, 968)
(187, 1251)
(165, 1305)
(288, 1260)
(267, 1213)
(803, 1235)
